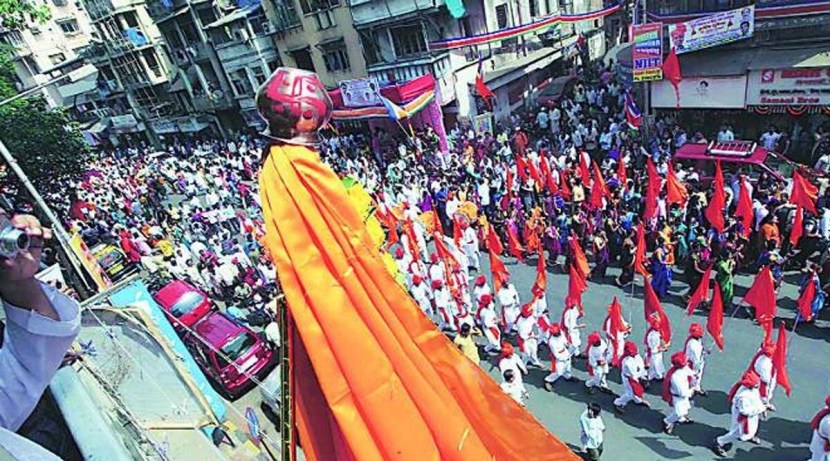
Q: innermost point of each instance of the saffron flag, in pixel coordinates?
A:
(761, 296)
(622, 176)
(714, 324)
(409, 231)
(483, 90)
(548, 174)
(805, 300)
(584, 169)
(744, 210)
(541, 272)
(652, 307)
(457, 233)
(616, 325)
(599, 190)
(804, 193)
(701, 292)
(498, 270)
(798, 226)
(444, 253)
(779, 360)
(652, 190)
(493, 242)
(633, 116)
(576, 286)
(534, 174)
(395, 111)
(672, 73)
(714, 211)
(521, 167)
(640, 254)
(509, 185)
(675, 190)
(563, 186)
(513, 244)
(579, 260)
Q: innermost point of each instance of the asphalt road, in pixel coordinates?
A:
(637, 434)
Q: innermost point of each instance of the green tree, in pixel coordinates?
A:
(15, 14)
(48, 145)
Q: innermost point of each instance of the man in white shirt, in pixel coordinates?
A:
(747, 409)
(591, 429)
(655, 346)
(41, 324)
(560, 356)
(514, 387)
(677, 392)
(470, 245)
(597, 363)
(633, 372)
(696, 354)
(770, 139)
(510, 305)
(820, 443)
(509, 360)
(725, 134)
(422, 295)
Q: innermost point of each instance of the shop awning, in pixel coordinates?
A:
(786, 58)
(716, 63)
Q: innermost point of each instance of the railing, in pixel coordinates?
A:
(366, 12)
(692, 7)
(400, 72)
(285, 18)
(204, 103)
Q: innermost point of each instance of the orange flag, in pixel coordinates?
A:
(652, 307)
(563, 185)
(622, 176)
(640, 255)
(534, 174)
(436, 222)
(348, 313)
(652, 190)
(779, 360)
(804, 193)
(493, 242)
(805, 300)
(521, 168)
(599, 190)
(509, 184)
(714, 211)
(584, 170)
(500, 273)
(798, 226)
(548, 174)
(761, 296)
(409, 231)
(541, 271)
(675, 190)
(744, 210)
(701, 292)
(444, 253)
(714, 324)
(513, 244)
(579, 259)
(615, 325)
(457, 233)
(576, 286)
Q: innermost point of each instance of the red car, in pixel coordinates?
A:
(217, 341)
(183, 301)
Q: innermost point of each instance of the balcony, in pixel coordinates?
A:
(366, 12)
(219, 101)
(284, 18)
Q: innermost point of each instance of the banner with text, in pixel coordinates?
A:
(777, 87)
(717, 29)
(647, 51)
(361, 92)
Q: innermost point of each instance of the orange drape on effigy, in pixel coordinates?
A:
(393, 385)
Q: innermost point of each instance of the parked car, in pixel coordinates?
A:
(183, 301)
(114, 262)
(748, 156)
(229, 354)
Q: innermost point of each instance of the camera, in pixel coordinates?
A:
(12, 241)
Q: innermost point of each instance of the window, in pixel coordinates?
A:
(325, 19)
(240, 82)
(235, 348)
(57, 58)
(12, 38)
(260, 25)
(259, 75)
(59, 2)
(501, 16)
(69, 26)
(310, 6)
(534, 8)
(272, 65)
(152, 62)
(302, 58)
(370, 47)
(408, 41)
(336, 57)
(186, 303)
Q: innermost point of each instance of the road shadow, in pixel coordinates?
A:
(714, 402)
(782, 432)
(765, 454)
(657, 445)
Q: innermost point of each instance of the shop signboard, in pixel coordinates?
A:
(785, 87)
(361, 92)
(701, 93)
(714, 30)
(647, 51)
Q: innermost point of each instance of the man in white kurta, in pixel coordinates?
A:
(528, 336)
(597, 363)
(443, 309)
(655, 346)
(696, 354)
(437, 269)
(510, 306)
(747, 409)
(489, 324)
(820, 443)
(571, 325)
(422, 295)
(762, 365)
(632, 372)
(677, 392)
(560, 357)
(509, 360)
(480, 289)
(469, 242)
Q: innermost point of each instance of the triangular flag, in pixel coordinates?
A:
(640, 254)
(744, 210)
(564, 188)
(444, 253)
(652, 307)
(779, 360)
(804, 193)
(717, 204)
(493, 242)
(483, 90)
(714, 324)
(576, 286)
(671, 72)
(798, 226)
(541, 271)
(521, 168)
(436, 222)
(599, 190)
(615, 325)
(622, 176)
(761, 296)
(652, 190)
(701, 292)
(534, 174)
(500, 273)
(513, 244)
(548, 174)
(457, 233)
(409, 231)
(580, 261)
(675, 190)
(805, 300)
(584, 170)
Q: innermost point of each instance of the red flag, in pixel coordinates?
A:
(579, 259)
(521, 168)
(541, 271)
(615, 324)
(548, 174)
(798, 226)
(744, 209)
(409, 231)
(484, 91)
(509, 183)
(675, 190)
(767, 326)
(652, 307)
(534, 174)
(493, 243)
(805, 301)
(499, 271)
(584, 170)
(457, 233)
(599, 190)
(436, 223)
(576, 286)
(622, 176)
(701, 292)
(393, 237)
(671, 72)
(714, 324)
(761, 296)
(779, 360)
(563, 186)
(804, 193)
(652, 190)
(640, 255)
(444, 253)
(714, 211)
(513, 244)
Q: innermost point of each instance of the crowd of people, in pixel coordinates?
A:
(578, 174)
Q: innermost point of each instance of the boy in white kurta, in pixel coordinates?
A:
(597, 363)
(677, 391)
(510, 306)
(747, 408)
(633, 372)
(655, 346)
(560, 357)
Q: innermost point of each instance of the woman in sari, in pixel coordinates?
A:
(725, 276)
(661, 271)
(601, 255)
